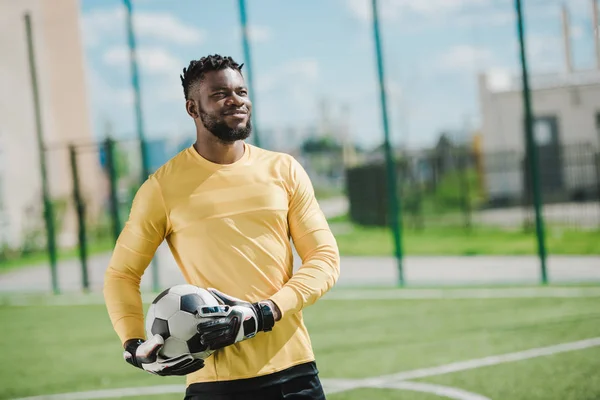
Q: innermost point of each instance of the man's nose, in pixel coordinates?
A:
(236, 100)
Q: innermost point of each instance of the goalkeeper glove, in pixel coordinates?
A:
(144, 355)
(237, 320)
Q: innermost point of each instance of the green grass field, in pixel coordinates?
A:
(41, 257)
(435, 240)
(355, 240)
(58, 349)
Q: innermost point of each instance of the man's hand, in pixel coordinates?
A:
(238, 320)
(144, 355)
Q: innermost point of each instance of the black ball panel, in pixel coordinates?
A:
(161, 295)
(174, 315)
(191, 302)
(160, 327)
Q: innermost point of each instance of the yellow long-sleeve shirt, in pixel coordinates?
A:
(229, 227)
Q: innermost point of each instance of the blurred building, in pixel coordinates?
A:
(65, 116)
(566, 108)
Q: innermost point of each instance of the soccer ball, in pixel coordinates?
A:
(174, 315)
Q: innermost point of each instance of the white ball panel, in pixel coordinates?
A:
(167, 306)
(174, 347)
(207, 297)
(183, 289)
(182, 325)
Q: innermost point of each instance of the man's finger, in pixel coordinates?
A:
(194, 366)
(211, 336)
(176, 360)
(147, 351)
(210, 340)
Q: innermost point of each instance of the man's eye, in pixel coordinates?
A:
(243, 92)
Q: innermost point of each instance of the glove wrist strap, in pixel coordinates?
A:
(266, 319)
(131, 347)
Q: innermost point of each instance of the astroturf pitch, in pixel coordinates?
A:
(72, 348)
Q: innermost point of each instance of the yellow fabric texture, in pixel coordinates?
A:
(229, 227)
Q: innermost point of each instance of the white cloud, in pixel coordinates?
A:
(257, 33)
(577, 32)
(578, 8)
(155, 60)
(544, 52)
(438, 6)
(496, 18)
(300, 71)
(360, 8)
(105, 94)
(97, 23)
(163, 26)
(166, 90)
(288, 91)
(499, 79)
(465, 58)
(394, 90)
(166, 26)
(108, 102)
(392, 9)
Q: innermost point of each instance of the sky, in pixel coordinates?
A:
(314, 55)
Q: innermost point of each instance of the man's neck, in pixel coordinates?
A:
(219, 152)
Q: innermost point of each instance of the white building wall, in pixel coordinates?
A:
(20, 167)
(65, 115)
(575, 106)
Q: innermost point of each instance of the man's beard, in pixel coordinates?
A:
(222, 131)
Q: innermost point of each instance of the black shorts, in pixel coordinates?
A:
(296, 383)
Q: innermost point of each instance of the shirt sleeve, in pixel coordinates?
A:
(315, 244)
(145, 229)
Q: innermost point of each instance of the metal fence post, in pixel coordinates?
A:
(532, 156)
(135, 82)
(80, 210)
(465, 187)
(48, 211)
(597, 162)
(109, 150)
(394, 203)
(248, 65)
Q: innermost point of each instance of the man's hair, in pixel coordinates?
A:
(197, 68)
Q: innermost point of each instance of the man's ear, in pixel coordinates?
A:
(192, 109)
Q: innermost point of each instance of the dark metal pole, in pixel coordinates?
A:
(248, 65)
(394, 202)
(531, 148)
(596, 160)
(80, 210)
(135, 81)
(463, 173)
(48, 212)
(109, 150)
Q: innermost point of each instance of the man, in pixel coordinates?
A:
(227, 209)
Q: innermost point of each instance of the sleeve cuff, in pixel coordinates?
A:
(130, 328)
(287, 300)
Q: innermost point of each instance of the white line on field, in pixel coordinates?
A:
(342, 385)
(341, 295)
(112, 393)
(478, 363)
(439, 390)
